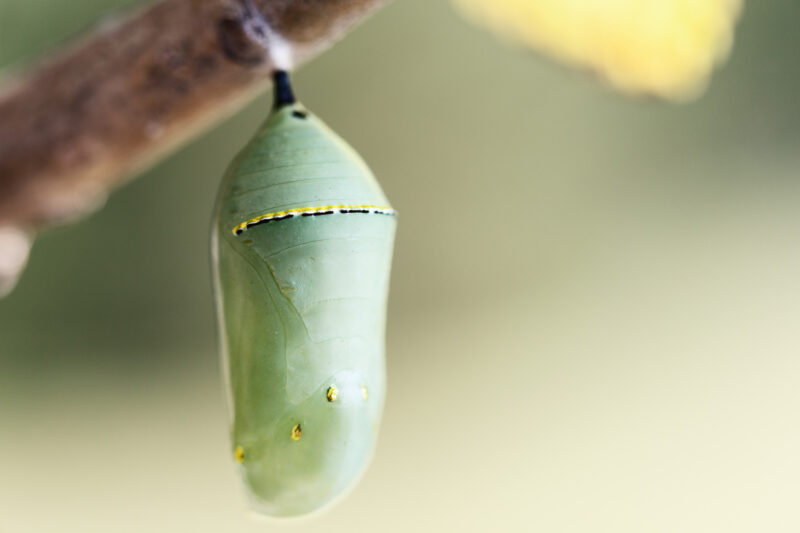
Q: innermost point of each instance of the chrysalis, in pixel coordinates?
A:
(301, 245)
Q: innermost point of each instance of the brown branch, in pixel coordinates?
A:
(125, 96)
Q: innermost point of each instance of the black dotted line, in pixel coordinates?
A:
(319, 213)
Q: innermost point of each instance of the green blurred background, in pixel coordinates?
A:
(594, 315)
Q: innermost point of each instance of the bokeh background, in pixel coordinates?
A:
(594, 321)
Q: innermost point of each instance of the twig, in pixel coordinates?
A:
(134, 90)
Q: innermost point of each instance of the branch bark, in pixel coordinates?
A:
(134, 90)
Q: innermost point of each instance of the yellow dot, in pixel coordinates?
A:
(364, 392)
(297, 432)
(332, 393)
(238, 454)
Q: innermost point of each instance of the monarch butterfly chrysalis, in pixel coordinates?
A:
(301, 245)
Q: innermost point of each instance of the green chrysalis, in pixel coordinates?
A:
(301, 246)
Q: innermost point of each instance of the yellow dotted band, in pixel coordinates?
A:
(314, 211)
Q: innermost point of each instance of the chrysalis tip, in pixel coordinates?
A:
(283, 89)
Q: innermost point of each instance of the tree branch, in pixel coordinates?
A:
(134, 90)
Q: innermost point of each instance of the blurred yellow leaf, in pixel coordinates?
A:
(663, 47)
